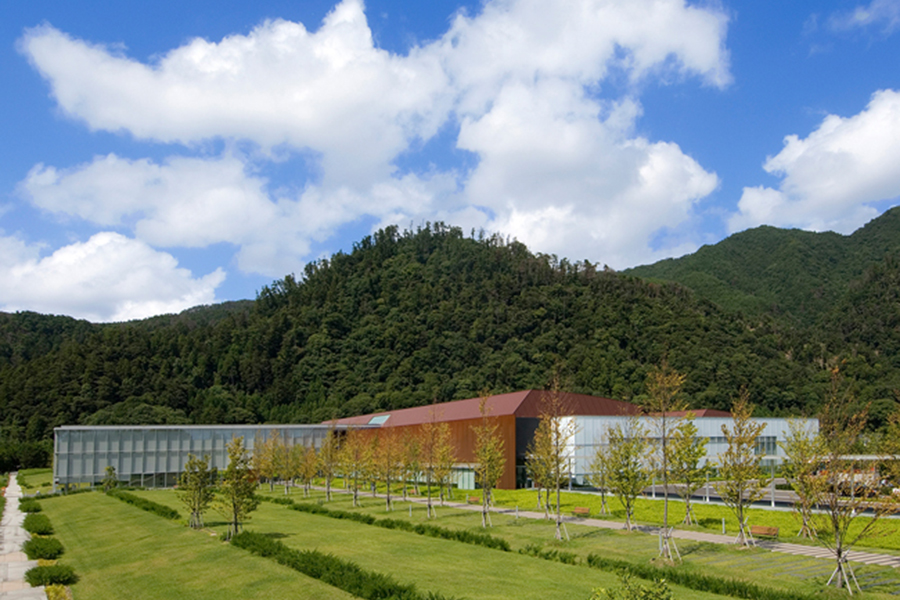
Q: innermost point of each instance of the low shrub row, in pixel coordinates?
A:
(329, 569)
(37, 524)
(457, 535)
(48, 548)
(82, 490)
(696, 581)
(569, 558)
(467, 537)
(144, 504)
(29, 505)
(318, 509)
(51, 575)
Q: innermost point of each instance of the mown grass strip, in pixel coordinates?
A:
(329, 569)
(144, 504)
(466, 537)
(736, 588)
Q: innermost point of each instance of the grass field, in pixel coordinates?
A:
(119, 550)
(122, 552)
(806, 575)
(35, 480)
(647, 511)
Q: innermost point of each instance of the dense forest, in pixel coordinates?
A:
(408, 318)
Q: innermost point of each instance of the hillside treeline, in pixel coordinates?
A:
(409, 318)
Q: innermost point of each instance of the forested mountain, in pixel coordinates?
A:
(796, 276)
(409, 318)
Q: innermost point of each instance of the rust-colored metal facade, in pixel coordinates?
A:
(516, 415)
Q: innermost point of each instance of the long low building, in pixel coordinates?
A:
(518, 413)
(154, 455)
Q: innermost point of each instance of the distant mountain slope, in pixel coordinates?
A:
(791, 274)
(402, 320)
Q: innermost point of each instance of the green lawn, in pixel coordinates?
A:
(648, 511)
(119, 549)
(807, 575)
(36, 480)
(122, 552)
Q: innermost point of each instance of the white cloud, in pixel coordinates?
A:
(558, 163)
(831, 178)
(883, 13)
(331, 91)
(108, 278)
(197, 202)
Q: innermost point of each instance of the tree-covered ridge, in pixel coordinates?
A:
(405, 319)
(791, 274)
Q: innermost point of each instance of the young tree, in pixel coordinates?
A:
(236, 492)
(328, 458)
(309, 468)
(664, 398)
(688, 449)
(356, 459)
(410, 462)
(388, 452)
(489, 457)
(195, 488)
(430, 448)
(109, 480)
(538, 462)
(291, 464)
(265, 457)
(743, 481)
(599, 471)
(559, 431)
(445, 459)
(849, 484)
(629, 472)
(803, 453)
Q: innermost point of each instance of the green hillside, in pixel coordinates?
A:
(794, 275)
(409, 318)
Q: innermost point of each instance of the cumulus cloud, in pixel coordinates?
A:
(880, 13)
(557, 162)
(108, 278)
(332, 91)
(831, 179)
(197, 202)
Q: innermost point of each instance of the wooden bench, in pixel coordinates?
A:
(763, 531)
(581, 511)
(473, 500)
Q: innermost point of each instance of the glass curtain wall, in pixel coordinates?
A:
(154, 456)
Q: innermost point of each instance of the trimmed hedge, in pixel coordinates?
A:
(569, 558)
(456, 535)
(466, 537)
(144, 504)
(329, 569)
(51, 575)
(37, 524)
(83, 490)
(317, 509)
(43, 547)
(696, 581)
(29, 505)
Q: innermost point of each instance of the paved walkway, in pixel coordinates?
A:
(13, 562)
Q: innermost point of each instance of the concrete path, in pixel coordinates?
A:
(13, 562)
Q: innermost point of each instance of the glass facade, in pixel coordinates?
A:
(155, 455)
(591, 433)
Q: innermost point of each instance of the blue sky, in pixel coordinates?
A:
(160, 156)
